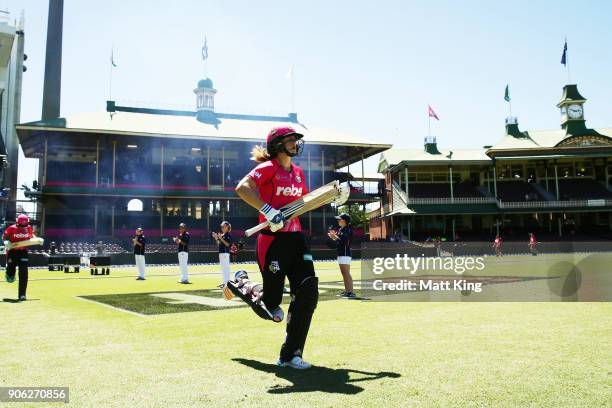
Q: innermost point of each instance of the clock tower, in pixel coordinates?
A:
(571, 107)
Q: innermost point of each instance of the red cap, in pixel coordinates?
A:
(23, 220)
(280, 132)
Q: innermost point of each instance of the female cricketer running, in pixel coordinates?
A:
(18, 257)
(282, 249)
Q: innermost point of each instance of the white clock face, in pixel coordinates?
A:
(574, 111)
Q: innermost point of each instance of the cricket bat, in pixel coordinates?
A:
(30, 242)
(330, 192)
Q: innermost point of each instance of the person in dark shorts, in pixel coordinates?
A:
(282, 250)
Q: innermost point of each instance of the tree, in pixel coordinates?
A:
(359, 218)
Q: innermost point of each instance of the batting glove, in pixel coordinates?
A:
(275, 217)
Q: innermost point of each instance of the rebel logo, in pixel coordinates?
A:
(292, 191)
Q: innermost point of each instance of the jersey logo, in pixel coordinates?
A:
(289, 191)
(21, 235)
(257, 174)
(298, 179)
(274, 267)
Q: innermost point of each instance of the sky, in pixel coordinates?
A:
(361, 67)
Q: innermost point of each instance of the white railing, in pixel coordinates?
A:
(555, 204)
(448, 200)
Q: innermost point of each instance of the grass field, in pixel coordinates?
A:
(115, 347)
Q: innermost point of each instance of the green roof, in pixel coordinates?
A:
(205, 83)
(570, 93)
(393, 157)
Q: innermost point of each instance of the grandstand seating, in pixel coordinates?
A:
(517, 191)
(582, 190)
(442, 190)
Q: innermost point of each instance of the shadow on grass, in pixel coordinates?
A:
(332, 380)
(9, 300)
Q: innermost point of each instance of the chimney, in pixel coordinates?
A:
(53, 61)
(512, 128)
(431, 146)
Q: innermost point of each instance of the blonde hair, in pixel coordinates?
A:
(260, 154)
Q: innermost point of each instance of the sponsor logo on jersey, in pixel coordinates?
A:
(292, 191)
(257, 174)
(21, 235)
(274, 267)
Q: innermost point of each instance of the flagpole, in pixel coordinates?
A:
(510, 104)
(292, 90)
(569, 81)
(429, 123)
(110, 77)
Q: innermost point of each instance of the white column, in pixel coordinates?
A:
(208, 167)
(557, 183)
(363, 174)
(494, 181)
(322, 167)
(114, 160)
(406, 180)
(223, 167)
(97, 160)
(45, 161)
(450, 169)
(161, 172)
(309, 171)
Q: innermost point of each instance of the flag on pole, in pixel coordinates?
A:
(564, 56)
(431, 113)
(290, 72)
(112, 58)
(507, 94)
(205, 50)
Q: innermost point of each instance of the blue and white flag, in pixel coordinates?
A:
(205, 50)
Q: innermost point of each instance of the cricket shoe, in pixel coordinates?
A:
(140, 278)
(22, 298)
(278, 315)
(296, 362)
(9, 278)
(349, 295)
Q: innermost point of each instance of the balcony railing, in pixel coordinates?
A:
(448, 200)
(555, 204)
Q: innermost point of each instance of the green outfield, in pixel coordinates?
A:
(119, 342)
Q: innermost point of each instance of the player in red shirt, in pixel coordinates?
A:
(21, 231)
(497, 244)
(282, 249)
(533, 244)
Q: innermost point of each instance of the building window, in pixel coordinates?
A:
(134, 205)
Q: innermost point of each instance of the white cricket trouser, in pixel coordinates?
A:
(140, 264)
(224, 260)
(183, 257)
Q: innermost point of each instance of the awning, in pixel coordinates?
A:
(401, 211)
